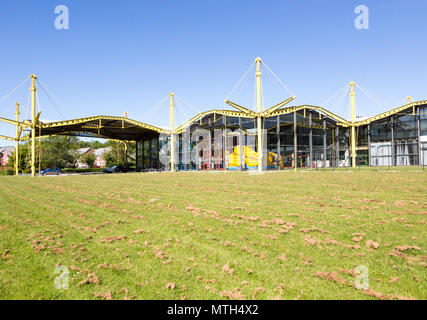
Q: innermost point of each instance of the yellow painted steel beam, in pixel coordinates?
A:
(331, 115)
(25, 138)
(214, 112)
(231, 113)
(18, 134)
(97, 118)
(362, 148)
(242, 109)
(20, 131)
(172, 145)
(260, 149)
(36, 120)
(33, 90)
(138, 124)
(353, 136)
(269, 111)
(95, 126)
(73, 133)
(340, 121)
(70, 133)
(14, 122)
(7, 138)
(390, 112)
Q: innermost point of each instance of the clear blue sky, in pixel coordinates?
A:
(127, 55)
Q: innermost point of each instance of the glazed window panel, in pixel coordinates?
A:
(362, 135)
(146, 154)
(423, 120)
(405, 127)
(139, 153)
(381, 130)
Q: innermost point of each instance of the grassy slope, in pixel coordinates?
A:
(200, 223)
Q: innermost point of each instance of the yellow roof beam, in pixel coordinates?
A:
(277, 106)
(70, 133)
(389, 113)
(7, 138)
(339, 120)
(9, 121)
(238, 107)
(20, 131)
(333, 116)
(83, 120)
(202, 114)
(36, 120)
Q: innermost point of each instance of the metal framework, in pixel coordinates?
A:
(340, 121)
(125, 129)
(106, 127)
(197, 117)
(390, 113)
(7, 138)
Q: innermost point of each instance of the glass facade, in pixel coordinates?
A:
(148, 152)
(218, 142)
(303, 139)
(398, 139)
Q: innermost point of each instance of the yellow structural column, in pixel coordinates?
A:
(17, 140)
(33, 90)
(353, 128)
(126, 144)
(172, 149)
(258, 104)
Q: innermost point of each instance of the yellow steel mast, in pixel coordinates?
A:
(353, 128)
(172, 149)
(33, 90)
(126, 144)
(17, 140)
(258, 104)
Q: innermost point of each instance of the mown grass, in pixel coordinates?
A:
(281, 235)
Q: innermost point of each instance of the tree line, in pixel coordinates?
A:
(61, 152)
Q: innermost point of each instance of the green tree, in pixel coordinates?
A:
(117, 154)
(94, 144)
(58, 152)
(110, 159)
(24, 157)
(89, 159)
(98, 144)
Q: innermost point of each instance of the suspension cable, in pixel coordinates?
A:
(11, 92)
(338, 93)
(38, 102)
(277, 78)
(40, 149)
(271, 80)
(27, 117)
(371, 96)
(45, 90)
(340, 101)
(149, 113)
(51, 93)
(241, 79)
(181, 109)
(187, 103)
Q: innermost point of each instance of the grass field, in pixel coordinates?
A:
(279, 235)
